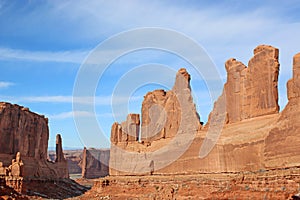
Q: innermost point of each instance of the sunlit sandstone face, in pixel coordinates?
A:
(165, 116)
(255, 136)
(252, 91)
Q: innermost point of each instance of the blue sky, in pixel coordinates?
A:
(44, 43)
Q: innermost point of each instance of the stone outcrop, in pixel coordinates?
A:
(162, 111)
(166, 115)
(22, 131)
(127, 131)
(27, 133)
(251, 91)
(283, 143)
(74, 159)
(12, 175)
(264, 184)
(59, 151)
(95, 163)
(293, 85)
(255, 135)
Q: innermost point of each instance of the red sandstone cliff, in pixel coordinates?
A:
(167, 116)
(26, 132)
(254, 137)
(95, 163)
(251, 91)
(283, 141)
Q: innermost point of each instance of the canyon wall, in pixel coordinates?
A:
(27, 133)
(253, 135)
(283, 141)
(252, 91)
(95, 163)
(166, 116)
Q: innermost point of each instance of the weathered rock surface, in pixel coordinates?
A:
(164, 112)
(59, 151)
(252, 91)
(95, 163)
(127, 131)
(255, 135)
(293, 85)
(283, 141)
(27, 133)
(264, 184)
(166, 115)
(22, 131)
(74, 159)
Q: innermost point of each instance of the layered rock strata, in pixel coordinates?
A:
(95, 163)
(254, 137)
(283, 141)
(166, 115)
(27, 133)
(251, 91)
(263, 184)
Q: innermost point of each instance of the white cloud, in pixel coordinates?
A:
(80, 114)
(75, 56)
(4, 84)
(213, 23)
(99, 100)
(71, 114)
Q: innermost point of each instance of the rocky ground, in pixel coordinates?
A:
(271, 184)
(45, 189)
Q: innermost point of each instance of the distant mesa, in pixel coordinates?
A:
(95, 163)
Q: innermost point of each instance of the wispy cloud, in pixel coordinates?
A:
(75, 56)
(80, 114)
(71, 114)
(99, 100)
(4, 84)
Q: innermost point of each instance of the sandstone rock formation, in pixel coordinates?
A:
(251, 91)
(12, 175)
(95, 163)
(283, 143)
(293, 85)
(22, 131)
(264, 184)
(74, 159)
(255, 136)
(59, 151)
(27, 133)
(162, 112)
(127, 131)
(166, 115)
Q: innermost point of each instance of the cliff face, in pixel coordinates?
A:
(26, 132)
(95, 163)
(23, 131)
(166, 116)
(251, 91)
(254, 137)
(283, 142)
